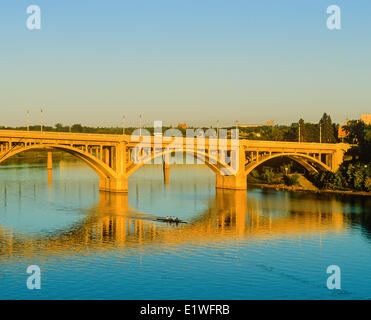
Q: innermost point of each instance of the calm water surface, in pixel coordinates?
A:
(237, 245)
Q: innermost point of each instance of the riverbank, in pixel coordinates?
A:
(282, 187)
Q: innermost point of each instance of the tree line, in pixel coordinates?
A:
(324, 131)
(355, 172)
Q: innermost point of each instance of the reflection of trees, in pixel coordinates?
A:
(362, 218)
(112, 224)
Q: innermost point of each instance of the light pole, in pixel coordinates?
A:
(320, 131)
(41, 120)
(217, 129)
(28, 120)
(140, 125)
(123, 124)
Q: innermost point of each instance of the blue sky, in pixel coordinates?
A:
(194, 61)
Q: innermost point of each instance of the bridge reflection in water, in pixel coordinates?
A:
(112, 223)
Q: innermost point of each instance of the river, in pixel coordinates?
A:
(236, 245)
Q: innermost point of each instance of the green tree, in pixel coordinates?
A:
(327, 129)
(59, 127)
(268, 175)
(77, 128)
(291, 180)
(359, 133)
(355, 131)
(276, 134)
(301, 129)
(311, 132)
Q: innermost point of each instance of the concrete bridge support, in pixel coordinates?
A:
(113, 184)
(116, 157)
(235, 182)
(166, 168)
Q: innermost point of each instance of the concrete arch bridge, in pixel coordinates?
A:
(115, 157)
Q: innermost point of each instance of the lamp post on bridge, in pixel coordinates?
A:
(123, 124)
(140, 125)
(28, 120)
(41, 120)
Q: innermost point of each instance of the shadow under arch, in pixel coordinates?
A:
(212, 162)
(98, 166)
(308, 162)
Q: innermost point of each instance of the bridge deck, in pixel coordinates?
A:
(109, 138)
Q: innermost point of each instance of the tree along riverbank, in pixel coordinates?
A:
(322, 182)
(282, 187)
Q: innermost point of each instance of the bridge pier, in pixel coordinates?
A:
(166, 168)
(113, 184)
(235, 182)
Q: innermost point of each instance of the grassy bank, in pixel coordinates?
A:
(283, 187)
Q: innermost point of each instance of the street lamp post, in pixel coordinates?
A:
(28, 120)
(123, 124)
(41, 120)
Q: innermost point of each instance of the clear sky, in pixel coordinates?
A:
(193, 61)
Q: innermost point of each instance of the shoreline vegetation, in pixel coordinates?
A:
(282, 187)
(288, 175)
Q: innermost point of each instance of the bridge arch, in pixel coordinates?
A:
(212, 162)
(98, 166)
(300, 158)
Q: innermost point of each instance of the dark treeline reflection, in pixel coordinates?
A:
(361, 215)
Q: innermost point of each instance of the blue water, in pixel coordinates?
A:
(237, 245)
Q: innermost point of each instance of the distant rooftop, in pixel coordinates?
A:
(268, 123)
(366, 118)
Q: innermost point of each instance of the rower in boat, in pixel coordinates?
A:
(170, 220)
